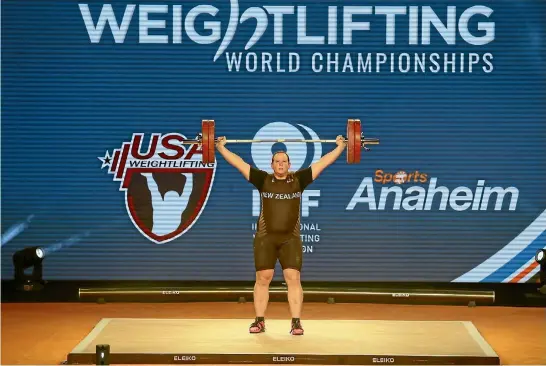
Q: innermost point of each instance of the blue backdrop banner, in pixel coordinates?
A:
(98, 97)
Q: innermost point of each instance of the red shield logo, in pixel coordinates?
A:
(166, 187)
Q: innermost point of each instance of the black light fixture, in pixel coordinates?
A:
(102, 352)
(540, 258)
(26, 258)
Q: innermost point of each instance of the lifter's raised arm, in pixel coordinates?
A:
(233, 158)
(329, 158)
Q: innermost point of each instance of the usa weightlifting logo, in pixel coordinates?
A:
(166, 187)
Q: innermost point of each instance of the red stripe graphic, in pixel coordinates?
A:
(525, 272)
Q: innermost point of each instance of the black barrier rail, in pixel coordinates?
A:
(263, 359)
(174, 294)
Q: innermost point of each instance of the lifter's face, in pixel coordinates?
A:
(280, 165)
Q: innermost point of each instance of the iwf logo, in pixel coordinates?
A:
(301, 154)
(166, 187)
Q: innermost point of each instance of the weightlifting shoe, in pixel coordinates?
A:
(257, 327)
(297, 329)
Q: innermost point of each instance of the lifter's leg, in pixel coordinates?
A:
(290, 255)
(264, 260)
(261, 291)
(295, 291)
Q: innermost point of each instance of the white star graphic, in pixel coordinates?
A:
(106, 160)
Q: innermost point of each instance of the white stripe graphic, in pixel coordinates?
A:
(507, 253)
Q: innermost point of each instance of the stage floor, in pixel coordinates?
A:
(45, 333)
(362, 342)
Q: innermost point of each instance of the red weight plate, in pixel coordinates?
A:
(212, 142)
(350, 141)
(357, 148)
(205, 140)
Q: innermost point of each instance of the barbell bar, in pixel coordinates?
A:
(367, 141)
(355, 141)
(199, 141)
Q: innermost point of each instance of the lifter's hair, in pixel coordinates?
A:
(279, 152)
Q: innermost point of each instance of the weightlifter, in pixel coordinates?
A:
(278, 230)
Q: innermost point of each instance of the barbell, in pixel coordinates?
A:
(355, 141)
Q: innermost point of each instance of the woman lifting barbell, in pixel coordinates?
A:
(278, 229)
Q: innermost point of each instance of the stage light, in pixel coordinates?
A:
(26, 258)
(540, 256)
(102, 352)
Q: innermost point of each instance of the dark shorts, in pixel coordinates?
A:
(287, 249)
